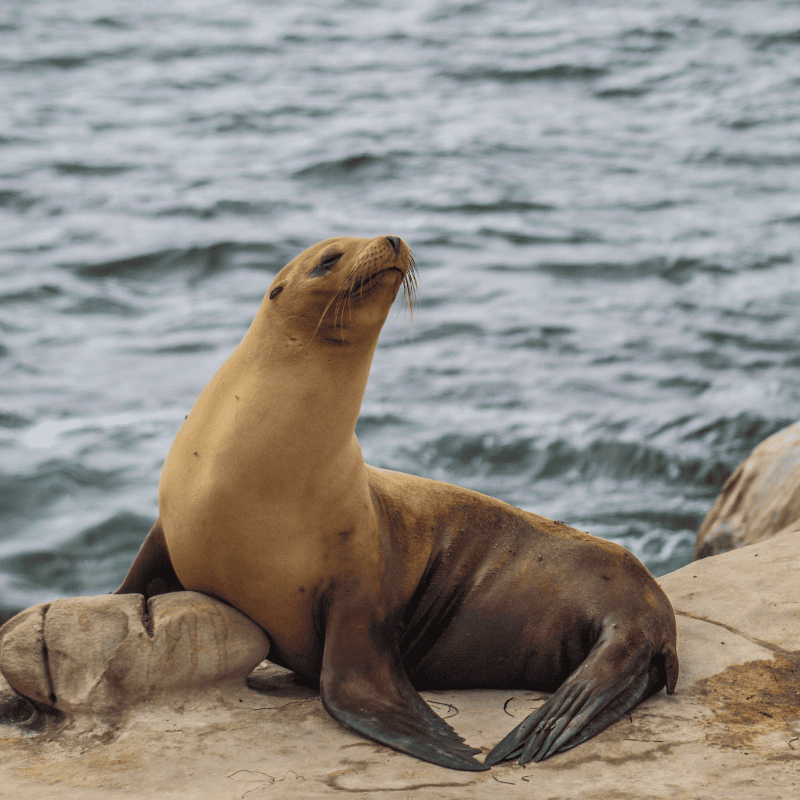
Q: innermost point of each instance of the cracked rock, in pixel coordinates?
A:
(21, 653)
(99, 654)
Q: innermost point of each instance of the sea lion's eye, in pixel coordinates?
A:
(326, 264)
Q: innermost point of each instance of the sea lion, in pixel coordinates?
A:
(376, 582)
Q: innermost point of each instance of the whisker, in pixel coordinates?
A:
(330, 303)
(341, 307)
(343, 299)
(410, 287)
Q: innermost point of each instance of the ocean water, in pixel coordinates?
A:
(603, 200)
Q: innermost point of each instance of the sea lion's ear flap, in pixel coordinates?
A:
(364, 686)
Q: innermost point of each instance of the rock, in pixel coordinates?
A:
(103, 654)
(760, 499)
(22, 655)
(732, 728)
(752, 590)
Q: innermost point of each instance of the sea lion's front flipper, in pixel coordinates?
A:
(365, 687)
(152, 572)
(616, 675)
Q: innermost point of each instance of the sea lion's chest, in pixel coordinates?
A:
(274, 575)
(274, 558)
(260, 510)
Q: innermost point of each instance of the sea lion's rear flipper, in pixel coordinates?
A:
(616, 675)
(365, 687)
(152, 572)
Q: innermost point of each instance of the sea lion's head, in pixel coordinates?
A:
(339, 292)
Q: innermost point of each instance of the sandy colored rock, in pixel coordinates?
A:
(732, 729)
(198, 640)
(712, 650)
(83, 635)
(103, 654)
(754, 590)
(760, 499)
(21, 656)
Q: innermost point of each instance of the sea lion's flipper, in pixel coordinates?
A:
(365, 687)
(152, 572)
(615, 676)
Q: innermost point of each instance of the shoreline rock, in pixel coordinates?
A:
(731, 730)
(103, 655)
(760, 499)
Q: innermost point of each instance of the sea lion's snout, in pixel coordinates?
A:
(394, 241)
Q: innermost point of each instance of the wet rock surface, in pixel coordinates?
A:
(731, 730)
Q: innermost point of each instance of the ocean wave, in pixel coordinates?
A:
(12, 420)
(368, 423)
(674, 270)
(16, 200)
(734, 435)
(612, 92)
(223, 208)
(744, 342)
(490, 454)
(449, 329)
(238, 48)
(33, 294)
(358, 166)
(85, 169)
(776, 39)
(541, 337)
(691, 387)
(65, 61)
(498, 207)
(549, 72)
(192, 262)
(580, 236)
(786, 158)
(103, 305)
(50, 481)
(92, 562)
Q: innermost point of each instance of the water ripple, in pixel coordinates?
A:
(603, 207)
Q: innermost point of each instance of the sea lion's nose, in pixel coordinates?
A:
(394, 241)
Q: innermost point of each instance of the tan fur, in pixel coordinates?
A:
(266, 471)
(375, 582)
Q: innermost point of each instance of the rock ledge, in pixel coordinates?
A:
(732, 729)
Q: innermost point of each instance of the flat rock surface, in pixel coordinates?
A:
(754, 590)
(731, 730)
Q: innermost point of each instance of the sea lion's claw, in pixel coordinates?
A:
(365, 687)
(613, 679)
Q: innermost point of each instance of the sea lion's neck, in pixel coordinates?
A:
(308, 382)
(295, 404)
